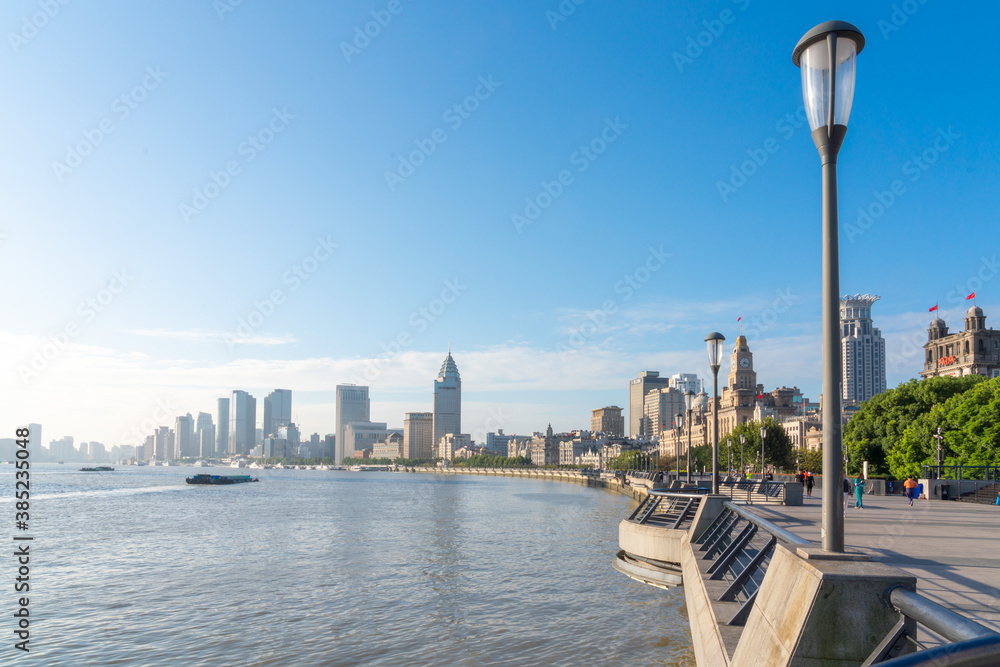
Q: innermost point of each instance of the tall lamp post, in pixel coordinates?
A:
(729, 468)
(826, 55)
(743, 468)
(763, 434)
(689, 404)
(680, 416)
(714, 341)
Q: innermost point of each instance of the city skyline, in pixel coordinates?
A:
(567, 221)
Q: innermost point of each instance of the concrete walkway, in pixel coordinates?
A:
(952, 548)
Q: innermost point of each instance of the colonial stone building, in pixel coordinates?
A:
(741, 401)
(975, 351)
(608, 420)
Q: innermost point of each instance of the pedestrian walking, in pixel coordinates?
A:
(859, 492)
(809, 485)
(911, 488)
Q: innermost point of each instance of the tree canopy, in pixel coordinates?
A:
(777, 445)
(876, 432)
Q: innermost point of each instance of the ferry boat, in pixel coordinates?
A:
(221, 479)
(200, 464)
(97, 469)
(238, 464)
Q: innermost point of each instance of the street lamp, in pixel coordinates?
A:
(826, 56)
(939, 437)
(729, 468)
(689, 404)
(743, 468)
(714, 341)
(763, 434)
(677, 440)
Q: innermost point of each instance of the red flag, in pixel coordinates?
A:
(739, 318)
(971, 296)
(932, 309)
(760, 396)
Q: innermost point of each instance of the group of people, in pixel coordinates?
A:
(806, 479)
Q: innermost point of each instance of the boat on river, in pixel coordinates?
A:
(98, 469)
(221, 479)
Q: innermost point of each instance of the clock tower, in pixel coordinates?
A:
(741, 372)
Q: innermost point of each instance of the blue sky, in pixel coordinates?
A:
(251, 196)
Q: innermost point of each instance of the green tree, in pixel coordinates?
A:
(875, 433)
(970, 426)
(777, 445)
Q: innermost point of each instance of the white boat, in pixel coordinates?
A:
(200, 464)
(255, 466)
(171, 463)
(238, 464)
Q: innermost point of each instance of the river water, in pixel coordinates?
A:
(135, 567)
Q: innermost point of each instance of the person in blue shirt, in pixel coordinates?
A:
(859, 491)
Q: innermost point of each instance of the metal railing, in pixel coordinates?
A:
(740, 544)
(761, 491)
(669, 510)
(971, 643)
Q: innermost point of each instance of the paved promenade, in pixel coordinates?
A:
(952, 548)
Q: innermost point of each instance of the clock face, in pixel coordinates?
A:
(744, 362)
(732, 364)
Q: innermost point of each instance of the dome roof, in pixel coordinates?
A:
(938, 322)
(975, 311)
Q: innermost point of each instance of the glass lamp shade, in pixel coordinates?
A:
(743, 438)
(689, 399)
(714, 341)
(763, 433)
(813, 56)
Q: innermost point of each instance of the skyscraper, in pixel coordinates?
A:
(277, 411)
(222, 430)
(862, 349)
(637, 390)
(418, 433)
(242, 422)
(184, 446)
(447, 400)
(203, 425)
(353, 405)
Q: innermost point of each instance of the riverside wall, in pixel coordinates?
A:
(636, 489)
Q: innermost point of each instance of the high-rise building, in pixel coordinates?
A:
(418, 435)
(222, 426)
(277, 411)
(242, 422)
(497, 442)
(362, 436)
(447, 400)
(161, 443)
(862, 349)
(637, 390)
(353, 405)
(35, 439)
(184, 443)
(206, 442)
(608, 420)
(659, 409)
(203, 424)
